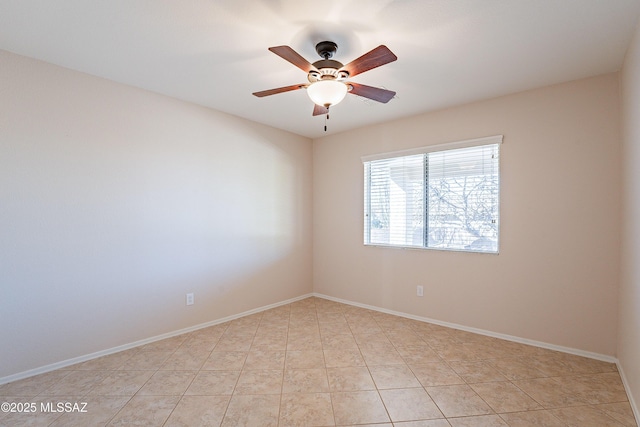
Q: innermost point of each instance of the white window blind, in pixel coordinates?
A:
(446, 198)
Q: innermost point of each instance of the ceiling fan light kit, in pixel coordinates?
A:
(327, 92)
(328, 78)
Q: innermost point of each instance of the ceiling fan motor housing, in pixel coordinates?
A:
(327, 69)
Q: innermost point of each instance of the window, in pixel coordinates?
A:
(440, 197)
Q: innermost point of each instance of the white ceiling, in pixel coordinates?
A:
(214, 52)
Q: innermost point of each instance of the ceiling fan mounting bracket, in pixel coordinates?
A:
(326, 49)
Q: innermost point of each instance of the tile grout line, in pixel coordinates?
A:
(326, 369)
(284, 366)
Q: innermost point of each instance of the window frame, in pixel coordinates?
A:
(470, 143)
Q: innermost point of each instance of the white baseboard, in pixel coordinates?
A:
(632, 401)
(597, 356)
(86, 357)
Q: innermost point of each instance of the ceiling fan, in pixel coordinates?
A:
(328, 83)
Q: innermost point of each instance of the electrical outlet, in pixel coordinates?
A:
(420, 291)
(190, 299)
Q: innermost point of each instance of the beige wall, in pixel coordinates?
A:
(116, 202)
(629, 323)
(556, 277)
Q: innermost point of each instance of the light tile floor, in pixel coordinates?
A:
(320, 363)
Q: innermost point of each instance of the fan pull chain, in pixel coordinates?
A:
(326, 118)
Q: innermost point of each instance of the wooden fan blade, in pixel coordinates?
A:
(278, 90)
(319, 110)
(372, 59)
(375, 93)
(288, 54)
